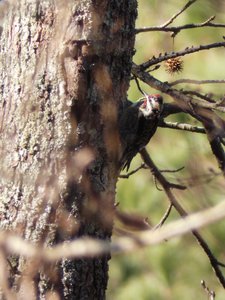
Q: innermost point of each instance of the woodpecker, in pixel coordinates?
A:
(137, 124)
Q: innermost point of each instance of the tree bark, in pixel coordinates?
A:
(65, 72)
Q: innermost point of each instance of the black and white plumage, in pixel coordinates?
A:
(137, 124)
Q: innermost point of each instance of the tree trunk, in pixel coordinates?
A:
(65, 70)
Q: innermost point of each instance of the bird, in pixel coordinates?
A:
(137, 124)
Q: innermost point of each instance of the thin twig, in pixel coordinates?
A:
(189, 3)
(181, 126)
(204, 97)
(153, 69)
(156, 184)
(142, 166)
(171, 171)
(170, 184)
(165, 217)
(192, 81)
(173, 185)
(205, 104)
(211, 294)
(177, 29)
(188, 50)
(138, 85)
(89, 247)
(221, 264)
(164, 183)
(199, 179)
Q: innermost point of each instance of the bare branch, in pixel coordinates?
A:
(155, 171)
(89, 247)
(153, 69)
(206, 104)
(176, 29)
(204, 97)
(181, 126)
(171, 171)
(211, 294)
(165, 217)
(142, 166)
(166, 56)
(189, 3)
(221, 264)
(192, 81)
(138, 85)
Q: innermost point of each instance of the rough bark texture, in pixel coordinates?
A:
(65, 69)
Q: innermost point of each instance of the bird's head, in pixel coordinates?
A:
(151, 106)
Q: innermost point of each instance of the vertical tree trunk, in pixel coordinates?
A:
(65, 68)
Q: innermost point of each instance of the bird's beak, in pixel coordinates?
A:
(146, 95)
(147, 99)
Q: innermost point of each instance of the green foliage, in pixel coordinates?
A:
(174, 269)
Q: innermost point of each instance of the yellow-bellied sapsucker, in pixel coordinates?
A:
(137, 124)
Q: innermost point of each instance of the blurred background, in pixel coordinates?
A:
(175, 268)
